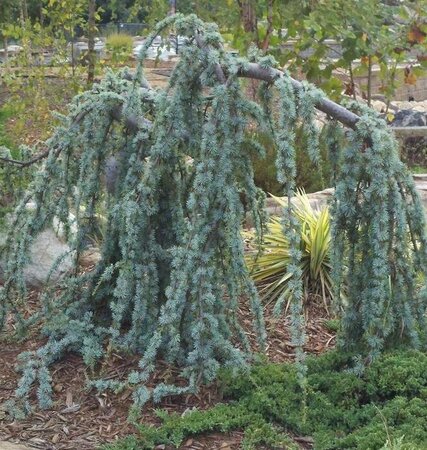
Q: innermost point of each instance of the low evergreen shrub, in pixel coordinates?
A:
(311, 176)
(384, 408)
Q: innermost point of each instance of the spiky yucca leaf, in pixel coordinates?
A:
(269, 264)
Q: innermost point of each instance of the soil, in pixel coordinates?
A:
(82, 419)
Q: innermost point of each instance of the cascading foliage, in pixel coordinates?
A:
(168, 174)
(379, 236)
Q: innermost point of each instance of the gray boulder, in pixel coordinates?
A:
(321, 199)
(421, 185)
(45, 250)
(409, 118)
(413, 148)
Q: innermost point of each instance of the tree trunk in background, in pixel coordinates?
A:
(5, 45)
(22, 13)
(24, 9)
(369, 93)
(91, 29)
(248, 16)
(172, 7)
(42, 17)
(266, 40)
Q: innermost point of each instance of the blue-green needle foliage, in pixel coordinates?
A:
(379, 235)
(172, 268)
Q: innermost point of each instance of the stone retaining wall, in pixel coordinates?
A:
(320, 199)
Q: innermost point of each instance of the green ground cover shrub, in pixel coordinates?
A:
(418, 169)
(384, 408)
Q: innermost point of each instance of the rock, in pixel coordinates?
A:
(414, 106)
(159, 49)
(45, 250)
(409, 118)
(379, 106)
(320, 199)
(413, 147)
(81, 47)
(11, 50)
(421, 185)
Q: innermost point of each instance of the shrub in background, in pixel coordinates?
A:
(119, 45)
(13, 180)
(310, 176)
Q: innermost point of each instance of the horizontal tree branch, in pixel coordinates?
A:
(252, 70)
(332, 109)
(269, 74)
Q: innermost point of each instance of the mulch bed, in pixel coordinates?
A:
(83, 419)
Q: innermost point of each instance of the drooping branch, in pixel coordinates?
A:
(131, 122)
(21, 164)
(219, 73)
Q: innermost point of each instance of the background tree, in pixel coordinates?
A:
(8, 15)
(371, 32)
(65, 16)
(91, 30)
(298, 34)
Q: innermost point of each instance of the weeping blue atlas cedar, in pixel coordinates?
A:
(172, 272)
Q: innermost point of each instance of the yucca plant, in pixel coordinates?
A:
(268, 263)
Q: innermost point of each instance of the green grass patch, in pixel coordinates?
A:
(385, 408)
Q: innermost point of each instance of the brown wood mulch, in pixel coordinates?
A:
(83, 419)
